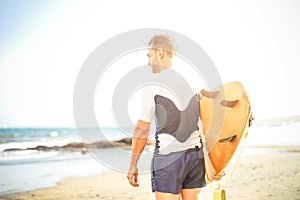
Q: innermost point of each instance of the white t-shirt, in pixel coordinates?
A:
(176, 110)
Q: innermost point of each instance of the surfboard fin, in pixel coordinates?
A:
(251, 119)
(229, 139)
(227, 103)
(209, 94)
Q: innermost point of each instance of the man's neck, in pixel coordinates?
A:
(160, 68)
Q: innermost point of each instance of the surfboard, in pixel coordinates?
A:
(226, 115)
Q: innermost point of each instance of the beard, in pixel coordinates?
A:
(156, 68)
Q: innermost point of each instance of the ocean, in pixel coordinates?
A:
(24, 166)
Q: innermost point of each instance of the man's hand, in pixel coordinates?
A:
(132, 176)
(218, 177)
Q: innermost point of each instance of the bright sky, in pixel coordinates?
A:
(43, 45)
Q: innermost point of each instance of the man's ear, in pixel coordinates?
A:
(161, 53)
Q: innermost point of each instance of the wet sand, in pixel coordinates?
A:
(274, 175)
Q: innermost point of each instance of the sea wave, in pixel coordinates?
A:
(28, 155)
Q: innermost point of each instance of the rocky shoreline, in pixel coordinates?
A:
(82, 147)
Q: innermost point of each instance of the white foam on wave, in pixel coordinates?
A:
(54, 134)
(26, 155)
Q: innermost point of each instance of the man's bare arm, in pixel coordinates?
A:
(139, 142)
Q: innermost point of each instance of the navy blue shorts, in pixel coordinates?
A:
(176, 171)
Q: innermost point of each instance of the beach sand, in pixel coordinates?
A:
(274, 175)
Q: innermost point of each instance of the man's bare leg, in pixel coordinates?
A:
(166, 196)
(190, 194)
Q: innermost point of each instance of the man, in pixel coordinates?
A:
(178, 163)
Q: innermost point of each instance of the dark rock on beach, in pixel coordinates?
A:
(82, 147)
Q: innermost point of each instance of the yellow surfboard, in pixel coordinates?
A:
(226, 115)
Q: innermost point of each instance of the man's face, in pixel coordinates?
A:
(153, 59)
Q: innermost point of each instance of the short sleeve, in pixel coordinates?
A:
(147, 104)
